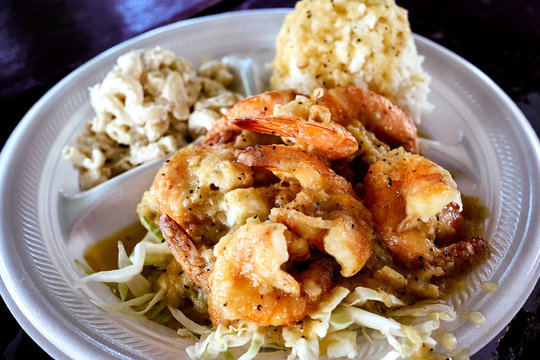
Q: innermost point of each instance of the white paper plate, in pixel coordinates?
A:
(487, 141)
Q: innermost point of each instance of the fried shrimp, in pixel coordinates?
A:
(198, 185)
(336, 123)
(248, 280)
(202, 192)
(267, 231)
(326, 213)
(225, 131)
(274, 262)
(412, 201)
(330, 140)
(390, 124)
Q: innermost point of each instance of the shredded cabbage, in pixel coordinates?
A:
(144, 253)
(126, 307)
(361, 295)
(152, 227)
(217, 342)
(347, 317)
(129, 278)
(342, 344)
(341, 325)
(188, 323)
(138, 285)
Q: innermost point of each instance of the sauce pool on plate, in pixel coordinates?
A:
(103, 254)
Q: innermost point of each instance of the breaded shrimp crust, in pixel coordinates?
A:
(413, 200)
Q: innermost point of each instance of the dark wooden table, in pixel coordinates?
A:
(41, 41)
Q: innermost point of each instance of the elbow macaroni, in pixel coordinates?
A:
(149, 105)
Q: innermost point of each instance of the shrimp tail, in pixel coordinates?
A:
(306, 167)
(222, 132)
(275, 125)
(185, 251)
(460, 256)
(331, 140)
(259, 105)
